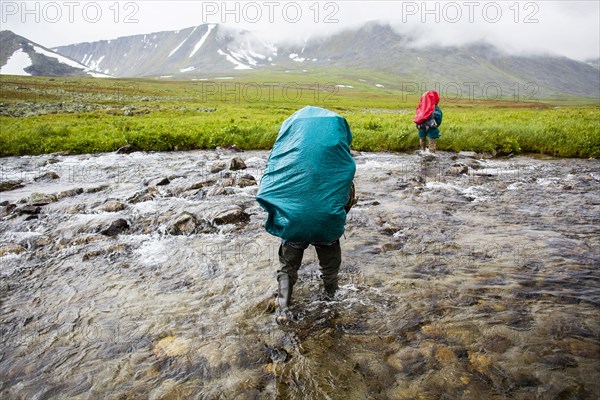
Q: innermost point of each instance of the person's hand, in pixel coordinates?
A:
(430, 124)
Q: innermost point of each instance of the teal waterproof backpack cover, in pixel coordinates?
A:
(308, 176)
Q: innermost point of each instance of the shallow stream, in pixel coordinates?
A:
(147, 276)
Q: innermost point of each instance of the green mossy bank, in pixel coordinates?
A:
(158, 115)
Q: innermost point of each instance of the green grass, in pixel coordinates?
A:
(171, 115)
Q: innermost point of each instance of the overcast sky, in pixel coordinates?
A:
(570, 28)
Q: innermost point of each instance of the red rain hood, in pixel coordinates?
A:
(426, 106)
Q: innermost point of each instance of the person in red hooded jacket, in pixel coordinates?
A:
(428, 118)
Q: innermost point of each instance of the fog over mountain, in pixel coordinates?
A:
(213, 50)
(567, 28)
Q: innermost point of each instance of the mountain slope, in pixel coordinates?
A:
(207, 48)
(213, 50)
(19, 56)
(481, 69)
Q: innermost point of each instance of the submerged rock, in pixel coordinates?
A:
(27, 209)
(162, 182)
(219, 191)
(246, 180)
(41, 199)
(8, 208)
(171, 346)
(116, 227)
(218, 167)
(458, 169)
(48, 176)
(96, 189)
(200, 184)
(69, 193)
(158, 182)
(229, 215)
(560, 361)
(112, 206)
(496, 343)
(468, 154)
(410, 361)
(11, 249)
(10, 185)
(276, 354)
(145, 195)
(187, 224)
(184, 224)
(227, 182)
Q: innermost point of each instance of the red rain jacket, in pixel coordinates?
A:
(426, 106)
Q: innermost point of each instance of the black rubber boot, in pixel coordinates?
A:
(290, 259)
(330, 259)
(284, 299)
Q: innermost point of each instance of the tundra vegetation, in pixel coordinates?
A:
(86, 115)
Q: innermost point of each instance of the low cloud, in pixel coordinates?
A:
(569, 28)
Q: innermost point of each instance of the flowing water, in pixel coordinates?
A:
(461, 278)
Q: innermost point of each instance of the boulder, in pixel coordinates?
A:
(236, 164)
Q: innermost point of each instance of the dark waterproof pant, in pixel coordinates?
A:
(330, 259)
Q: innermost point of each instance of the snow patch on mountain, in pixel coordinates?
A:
(203, 39)
(16, 64)
(95, 65)
(181, 44)
(238, 64)
(295, 57)
(70, 63)
(62, 59)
